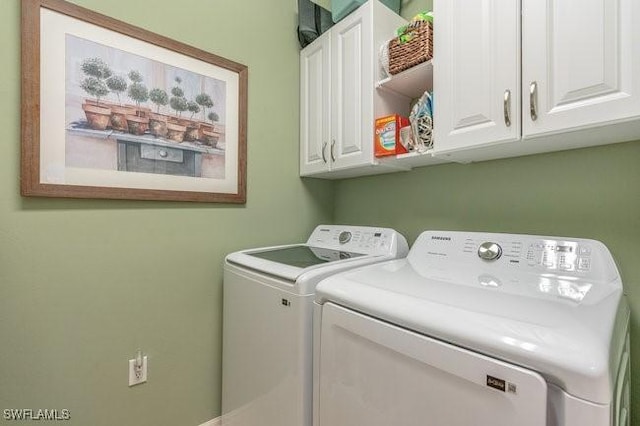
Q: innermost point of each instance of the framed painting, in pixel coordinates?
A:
(110, 110)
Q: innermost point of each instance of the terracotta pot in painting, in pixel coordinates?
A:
(193, 131)
(210, 138)
(204, 127)
(98, 117)
(176, 132)
(119, 118)
(158, 124)
(144, 112)
(178, 120)
(137, 125)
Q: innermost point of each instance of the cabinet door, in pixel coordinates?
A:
(315, 114)
(352, 88)
(477, 73)
(584, 58)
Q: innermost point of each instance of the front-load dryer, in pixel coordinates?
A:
(267, 319)
(475, 329)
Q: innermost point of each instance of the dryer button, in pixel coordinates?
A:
(489, 251)
(584, 264)
(585, 251)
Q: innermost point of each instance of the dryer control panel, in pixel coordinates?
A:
(559, 255)
(538, 254)
(549, 254)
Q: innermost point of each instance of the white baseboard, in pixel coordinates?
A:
(213, 422)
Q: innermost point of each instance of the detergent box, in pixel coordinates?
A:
(387, 135)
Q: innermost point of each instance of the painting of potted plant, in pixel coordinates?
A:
(151, 104)
(209, 135)
(178, 102)
(175, 127)
(118, 84)
(192, 126)
(213, 117)
(138, 92)
(157, 121)
(166, 100)
(205, 102)
(96, 71)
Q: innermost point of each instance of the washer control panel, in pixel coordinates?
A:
(344, 237)
(359, 239)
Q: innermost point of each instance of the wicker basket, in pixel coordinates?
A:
(419, 49)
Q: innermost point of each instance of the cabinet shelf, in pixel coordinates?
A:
(411, 160)
(411, 83)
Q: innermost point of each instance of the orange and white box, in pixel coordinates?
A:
(387, 135)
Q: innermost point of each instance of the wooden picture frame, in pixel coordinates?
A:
(81, 140)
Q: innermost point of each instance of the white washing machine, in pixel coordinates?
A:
(475, 329)
(267, 325)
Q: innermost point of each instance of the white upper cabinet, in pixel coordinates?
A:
(510, 78)
(315, 130)
(581, 63)
(580, 76)
(338, 99)
(476, 73)
(352, 140)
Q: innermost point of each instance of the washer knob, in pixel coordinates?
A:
(344, 237)
(489, 251)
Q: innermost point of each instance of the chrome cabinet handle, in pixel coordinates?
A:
(533, 100)
(163, 153)
(333, 144)
(507, 107)
(324, 148)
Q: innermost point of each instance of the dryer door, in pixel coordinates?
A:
(377, 374)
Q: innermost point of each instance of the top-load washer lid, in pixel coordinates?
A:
(551, 304)
(303, 256)
(329, 249)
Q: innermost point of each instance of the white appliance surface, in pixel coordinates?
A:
(444, 323)
(267, 319)
(335, 248)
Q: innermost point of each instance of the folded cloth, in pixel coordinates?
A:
(326, 4)
(313, 20)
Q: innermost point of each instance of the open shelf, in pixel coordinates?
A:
(411, 83)
(411, 160)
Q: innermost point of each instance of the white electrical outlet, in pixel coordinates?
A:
(137, 375)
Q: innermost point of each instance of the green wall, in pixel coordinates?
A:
(590, 193)
(408, 8)
(85, 283)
